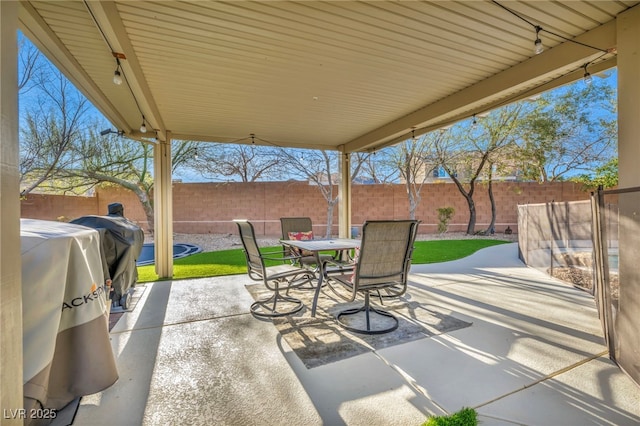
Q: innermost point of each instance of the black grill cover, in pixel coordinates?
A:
(121, 242)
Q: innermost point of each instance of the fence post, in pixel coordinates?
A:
(601, 270)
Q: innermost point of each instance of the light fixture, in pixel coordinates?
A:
(587, 77)
(413, 135)
(143, 127)
(117, 76)
(537, 45)
(106, 132)
(475, 121)
(195, 154)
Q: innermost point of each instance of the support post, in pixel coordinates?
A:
(344, 194)
(11, 359)
(627, 339)
(163, 208)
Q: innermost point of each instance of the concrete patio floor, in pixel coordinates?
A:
(190, 353)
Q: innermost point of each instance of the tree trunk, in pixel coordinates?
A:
(147, 206)
(492, 226)
(471, 226)
(413, 205)
(329, 220)
(330, 205)
(468, 195)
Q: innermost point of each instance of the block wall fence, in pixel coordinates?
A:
(201, 208)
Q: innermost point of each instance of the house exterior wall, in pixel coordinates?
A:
(201, 208)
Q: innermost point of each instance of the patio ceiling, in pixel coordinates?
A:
(316, 74)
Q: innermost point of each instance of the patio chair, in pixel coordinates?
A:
(300, 228)
(401, 288)
(382, 264)
(276, 278)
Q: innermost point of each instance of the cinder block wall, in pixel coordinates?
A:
(57, 207)
(211, 207)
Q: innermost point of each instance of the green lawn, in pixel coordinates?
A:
(231, 262)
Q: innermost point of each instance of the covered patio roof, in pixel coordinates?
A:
(341, 75)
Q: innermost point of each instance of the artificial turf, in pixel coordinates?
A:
(231, 262)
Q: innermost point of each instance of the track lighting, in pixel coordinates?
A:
(537, 45)
(117, 76)
(143, 127)
(587, 77)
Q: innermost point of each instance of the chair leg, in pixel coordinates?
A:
(354, 320)
(268, 308)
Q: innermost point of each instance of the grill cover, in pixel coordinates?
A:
(121, 244)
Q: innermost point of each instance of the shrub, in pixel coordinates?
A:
(444, 217)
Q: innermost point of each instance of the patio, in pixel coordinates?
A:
(82, 38)
(190, 353)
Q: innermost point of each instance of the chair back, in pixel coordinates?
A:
(385, 254)
(255, 262)
(294, 224)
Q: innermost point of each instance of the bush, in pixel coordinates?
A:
(444, 217)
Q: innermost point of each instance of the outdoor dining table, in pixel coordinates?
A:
(316, 246)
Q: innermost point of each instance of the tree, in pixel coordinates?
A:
(375, 167)
(246, 163)
(320, 168)
(410, 159)
(29, 63)
(116, 160)
(51, 126)
(500, 129)
(62, 150)
(568, 131)
(605, 176)
(466, 149)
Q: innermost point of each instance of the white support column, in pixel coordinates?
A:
(163, 208)
(11, 380)
(344, 194)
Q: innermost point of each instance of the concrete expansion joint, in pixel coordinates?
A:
(547, 377)
(179, 323)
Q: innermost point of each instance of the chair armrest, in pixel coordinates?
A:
(271, 255)
(337, 267)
